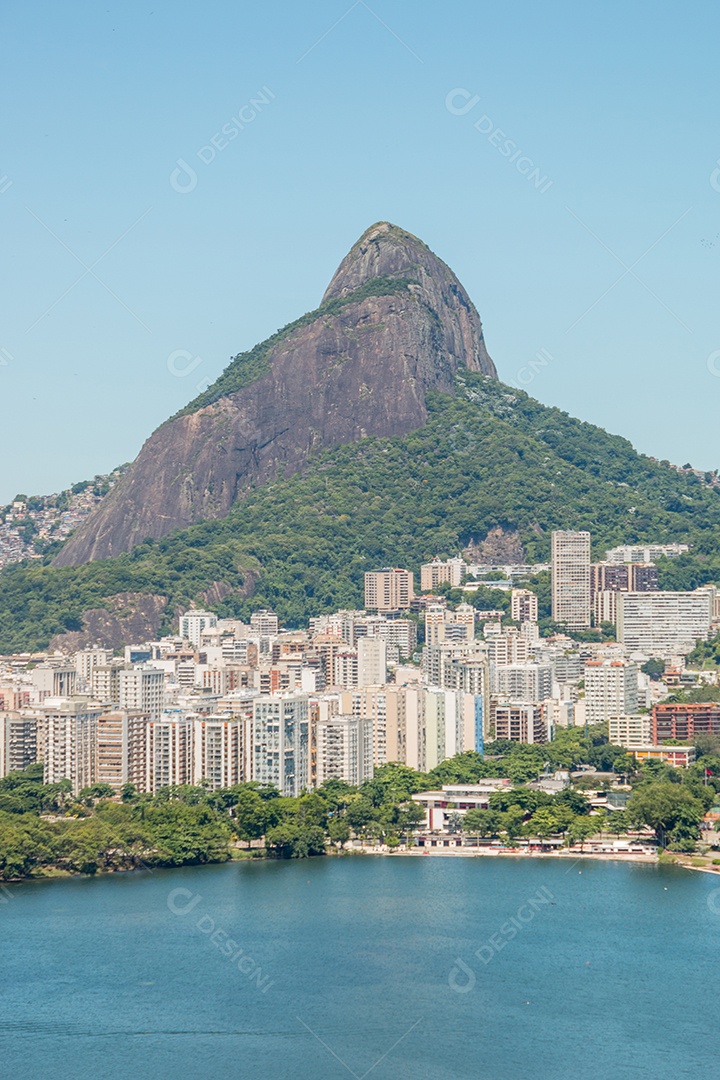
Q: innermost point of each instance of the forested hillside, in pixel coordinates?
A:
(489, 456)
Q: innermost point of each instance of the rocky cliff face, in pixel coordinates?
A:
(394, 324)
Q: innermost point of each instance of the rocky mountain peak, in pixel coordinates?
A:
(394, 323)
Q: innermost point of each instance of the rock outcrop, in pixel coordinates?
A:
(394, 324)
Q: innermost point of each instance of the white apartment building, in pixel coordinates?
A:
(281, 742)
(663, 624)
(371, 662)
(611, 689)
(508, 647)
(644, 553)
(264, 623)
(605, 605)
(68, 741)
(522, 682)
(450, 724)
(345, 668)
(443, 624)
(630, 731)
(344, 749)
(400, 635)
(221, 751)
(169, 753)
(570, 575)
(18, 740)
(523, 606)
(53, 681)
(192, 624)
(142, 689)
(87, 660)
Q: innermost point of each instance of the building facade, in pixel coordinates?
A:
(570, 573)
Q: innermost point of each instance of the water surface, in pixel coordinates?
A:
(367, 966)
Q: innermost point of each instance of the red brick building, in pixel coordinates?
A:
(672, 721)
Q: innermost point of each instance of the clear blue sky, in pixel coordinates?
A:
(616, 104)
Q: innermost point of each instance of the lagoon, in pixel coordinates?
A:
(365, 966)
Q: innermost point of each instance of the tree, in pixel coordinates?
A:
(339, 831)
(291, 840)
(511, 822)
(582, 829)
(665, 806)
(251, 815)
(654, 668)
(477, 822)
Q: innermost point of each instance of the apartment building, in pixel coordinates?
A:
(523, 606)
(630, 731)
(644, 553)
(611, 689)
(438, 572)
(264, 623)
(18, 740)
(520, 722)
(169, 754)
(664, 624)
(531, 682)
(675, 721)
(371, 661)
(570, 574)
(389, 589)
(142, 689)
(344, 749)
(193, 623)
(68, 741)
(221, 750)
(281, 742)
(122, 750)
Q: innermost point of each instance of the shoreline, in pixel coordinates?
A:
(454, 853)
(464, 853)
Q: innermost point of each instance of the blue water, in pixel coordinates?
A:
(348, 965)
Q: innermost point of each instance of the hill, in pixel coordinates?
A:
(488, 456)
(394, 325)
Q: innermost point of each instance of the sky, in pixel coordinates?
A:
(178, 180)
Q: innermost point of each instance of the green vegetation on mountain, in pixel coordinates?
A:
(247, 367)
(488, 457)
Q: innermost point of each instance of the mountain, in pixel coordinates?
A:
(373, 431)
(394, 324)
